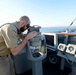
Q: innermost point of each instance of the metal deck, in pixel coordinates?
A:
(50, 69)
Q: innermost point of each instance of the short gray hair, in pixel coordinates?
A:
(25, 18)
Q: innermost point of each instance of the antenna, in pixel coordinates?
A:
(71, 23)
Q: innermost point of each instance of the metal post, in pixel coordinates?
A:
(62, 64)
(37, 67)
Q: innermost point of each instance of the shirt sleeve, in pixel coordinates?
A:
(10, 37)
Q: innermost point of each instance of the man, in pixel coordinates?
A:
(9, 37)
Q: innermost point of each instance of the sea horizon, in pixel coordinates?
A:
(56, 29)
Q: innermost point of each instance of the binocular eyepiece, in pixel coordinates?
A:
(33, 28)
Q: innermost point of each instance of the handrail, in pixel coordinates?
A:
(66, 34)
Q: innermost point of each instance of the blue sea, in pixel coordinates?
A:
(55, 29)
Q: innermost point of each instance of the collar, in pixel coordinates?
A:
(16, 24)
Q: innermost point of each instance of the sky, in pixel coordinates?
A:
(45, 13)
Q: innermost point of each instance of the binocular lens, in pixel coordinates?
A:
(28, 25)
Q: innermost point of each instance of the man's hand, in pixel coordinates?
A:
(31, 35)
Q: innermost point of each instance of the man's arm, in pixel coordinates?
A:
(17, 49)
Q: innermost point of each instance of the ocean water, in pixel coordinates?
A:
(55, 29)
(52, 29)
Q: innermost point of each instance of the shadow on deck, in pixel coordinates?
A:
(50, 69)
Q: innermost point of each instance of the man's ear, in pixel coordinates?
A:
(22, 24)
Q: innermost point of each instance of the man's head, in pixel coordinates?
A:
(24, 22)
